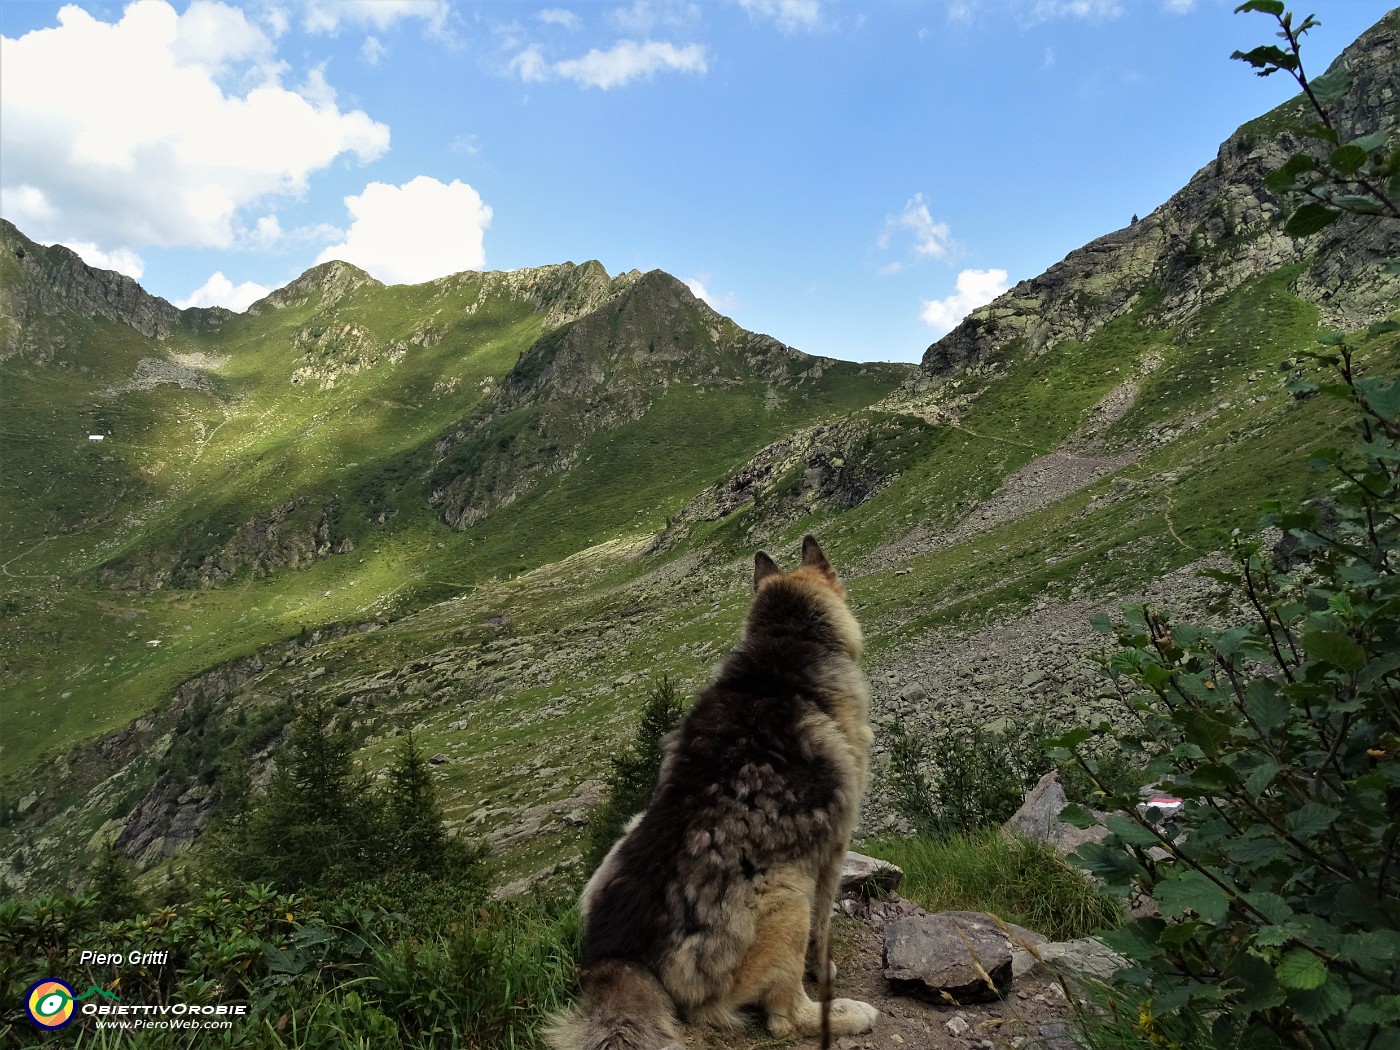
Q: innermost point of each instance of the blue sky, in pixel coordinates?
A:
(850, 178)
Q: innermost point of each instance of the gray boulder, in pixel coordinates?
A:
(964, 956)
(1087, 957)
(866, 876)
(1038, 819)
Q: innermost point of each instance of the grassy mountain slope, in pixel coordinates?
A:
(545, 491)
(272, 473)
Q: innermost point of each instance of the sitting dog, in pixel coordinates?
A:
(714, 898)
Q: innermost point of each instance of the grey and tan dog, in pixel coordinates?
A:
(714, 897)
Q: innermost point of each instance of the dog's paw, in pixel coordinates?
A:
(852, 1017)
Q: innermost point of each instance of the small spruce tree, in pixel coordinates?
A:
(417, 838)
(634, 773)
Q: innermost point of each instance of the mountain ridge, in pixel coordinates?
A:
(1223, 228)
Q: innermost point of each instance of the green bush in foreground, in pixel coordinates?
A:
(1279, 887)
(335, 974)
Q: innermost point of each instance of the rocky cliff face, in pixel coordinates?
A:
(42, 281)
(1218, 232)
(594, 374)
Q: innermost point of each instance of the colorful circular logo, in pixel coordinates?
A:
(50, 1003)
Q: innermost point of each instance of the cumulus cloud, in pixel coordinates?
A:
(220, 291)
(625, 61)
(927, 238)
(790, 15)
(561, 17)
(328, 16)
(415, 232)
(973, 288)
(123, 260)
(372, 50)
(162, 153)
(643, 17)
(699, 288)
(1049, 10)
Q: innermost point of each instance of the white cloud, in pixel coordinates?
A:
(128, 130)
(415, 232)
(1049, 10)
(328, 16)
(220, 291)
(962, 12)
(267, 232)
(372, 51)
(790, 15)
(697, 286)
(973, 288)
(622, 63)
(123, 260)
(561, 17)
(930, 239)
(644, 16)
(465, 143)
(1179, 7)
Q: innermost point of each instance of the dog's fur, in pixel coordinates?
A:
(712, 898)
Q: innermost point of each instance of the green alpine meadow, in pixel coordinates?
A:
(340, 633)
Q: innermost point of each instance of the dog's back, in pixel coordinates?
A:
(711, 898)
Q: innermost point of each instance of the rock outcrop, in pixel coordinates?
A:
(51, 279)
(595, 374)
(1222, 229)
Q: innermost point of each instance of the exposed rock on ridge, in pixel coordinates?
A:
(594, 374)
(1219, 231)
(55, 279)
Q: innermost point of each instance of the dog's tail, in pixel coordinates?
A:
(623, 1007)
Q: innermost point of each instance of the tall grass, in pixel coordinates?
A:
(1027, 883)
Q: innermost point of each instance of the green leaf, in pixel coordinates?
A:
(1256, 849)
(1269, 7)
(1271, 904)
(1331, 86)
(1310, 818)
(1129, 830)
(1300, 969)
(1374, 141)
(1371, 948)
(1267, 59)
(1078, 816)
(1261, 776)
(1193, 892)
(1319, 1004)
(1310, 219)
(1335, 648)
(1347, 159)
(1384, 1010)
(1359, 203)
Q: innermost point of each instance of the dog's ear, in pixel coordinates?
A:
(763, 567)
(812, 554)
(814, 558)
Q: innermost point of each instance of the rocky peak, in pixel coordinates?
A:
(1222, 229)
(44, 280)
(330, 282)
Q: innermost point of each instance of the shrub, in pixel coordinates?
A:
(959, 780)
(1279, 887)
